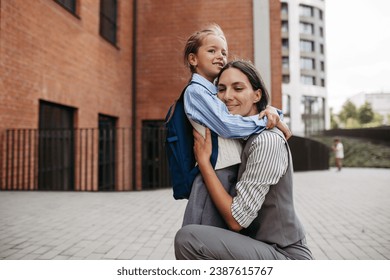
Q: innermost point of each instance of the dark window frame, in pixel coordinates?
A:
(306, 10)
(56, 147)
(69, 5)
(107, 153)
(108, 25)
(285, 79)
(285, 44)
(303, 43)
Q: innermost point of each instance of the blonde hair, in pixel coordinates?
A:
(194, 42)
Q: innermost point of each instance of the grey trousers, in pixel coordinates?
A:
(200, 208)
(200, 242)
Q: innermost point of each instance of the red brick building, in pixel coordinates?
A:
(104, 73)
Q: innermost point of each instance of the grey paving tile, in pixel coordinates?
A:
(342, 219)
(95, 256)
(127, 255)
(115, 252)
(49, 255)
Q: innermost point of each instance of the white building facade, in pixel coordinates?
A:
(304, 91)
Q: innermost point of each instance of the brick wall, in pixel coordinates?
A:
(162, 30)
(276, 54)
(49, 54)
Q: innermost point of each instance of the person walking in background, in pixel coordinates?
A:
(338, 150)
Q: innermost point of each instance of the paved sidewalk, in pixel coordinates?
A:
(346, 215)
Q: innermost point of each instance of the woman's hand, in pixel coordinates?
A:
(274, 120)
(202, 147)
(221, 199)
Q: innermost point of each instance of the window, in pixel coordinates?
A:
(323, 82)
(320, 14)
(286, 79)
(108, 25)
(286, 109)
(321, 31)
(307, 63)
(285, 44)
(306, 11)
(313, 114)
(286, 104)
(307, 46)
(306, 28)
(322, 48)
(70, 5)
(284, 26)
(285, 62)
(307, 80)
(284, 9)
(322, 66)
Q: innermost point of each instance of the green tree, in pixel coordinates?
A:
(365, 113)
(348, 111)
(333, 120)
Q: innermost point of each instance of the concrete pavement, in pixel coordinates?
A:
(346, 215)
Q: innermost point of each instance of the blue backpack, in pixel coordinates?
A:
(179, 147)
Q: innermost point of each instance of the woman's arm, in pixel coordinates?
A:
(221, 199)
(266, 164)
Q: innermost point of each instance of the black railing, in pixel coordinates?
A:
(308, 154)
(20, 160)
(86, 159)
(155, 173)
(92, 159)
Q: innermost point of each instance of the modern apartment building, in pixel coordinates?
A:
(304, 66)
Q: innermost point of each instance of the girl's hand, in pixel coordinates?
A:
(274, 120)
(284, 128)
(202, 147)
(272, 116)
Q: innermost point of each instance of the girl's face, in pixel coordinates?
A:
(235, 90)
(211, 57)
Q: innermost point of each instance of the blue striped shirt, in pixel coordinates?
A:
(204, 107)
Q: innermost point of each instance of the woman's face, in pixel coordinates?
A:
(235, 90)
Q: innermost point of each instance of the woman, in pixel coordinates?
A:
(261, 216)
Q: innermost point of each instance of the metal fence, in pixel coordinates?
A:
(92, 159)
(87, 159)
(308, 154)
(155, 173)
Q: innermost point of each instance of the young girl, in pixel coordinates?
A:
(206, 54)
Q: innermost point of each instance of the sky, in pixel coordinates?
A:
(357, 48)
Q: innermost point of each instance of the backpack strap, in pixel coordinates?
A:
(181, 97)
(214, 136)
